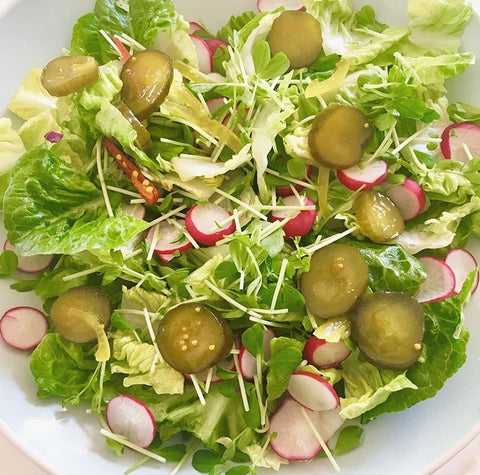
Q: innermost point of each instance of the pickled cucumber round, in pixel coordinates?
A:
(388, 328)
(146, 77)
(78, 310)
(67, 74)
(337, 278)
(338, 136)
(378, 217)
(298, 35)
(193, 338)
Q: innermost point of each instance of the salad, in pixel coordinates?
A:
(251, 242)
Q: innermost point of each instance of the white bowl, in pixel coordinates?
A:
(412, 442)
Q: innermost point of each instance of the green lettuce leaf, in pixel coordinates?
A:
(437, 25)
(140, 362)
(350, 35)
(64, 369)
(141, 19)
(367, 386)
(31, 98)
(11, 146)
(52, 208)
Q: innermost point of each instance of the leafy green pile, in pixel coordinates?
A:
(69, 200)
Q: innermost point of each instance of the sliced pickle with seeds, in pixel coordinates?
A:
(146, 78)
(337, 278)
(378, 217)
(388, 328)
(77, 312)
(193, 338)
(338, 136)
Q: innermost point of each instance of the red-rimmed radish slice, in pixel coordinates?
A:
(215, 104)
(248, 362)
(204, 54)
(23, 327)
(462, 262)
(269, 5)
(312, 391)
(31, 264)
(136, 210)
(456, 138)
(286, 190)
(208, 223)
(167, 238)
(194, 26)
(131, 418)
(440, 281)
(301, 221)
(295, 439)
(370, 175)
(409, 198)
(227, 364)
(215, 43)
(323, 354)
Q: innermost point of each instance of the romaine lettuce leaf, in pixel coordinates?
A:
(31, 98)
(11, 146)
(141, 19)
(141, 365)
(52, 208)
(437, 25)
(367, 386)
(64, 369)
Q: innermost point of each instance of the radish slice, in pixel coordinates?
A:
(287, 189)
(215, 104)
(204, 55)
(194, 26)
(312, 391)
(205, 223)
(295, 439)
(462, 263)
(409, 198)
(136, 210)
(248, 362)
(215, 43)
(456, 138)
(440, 281)
(269, 5)
(367, 177)
(167, 238)
(301, 222)
(323, 354)
(23, 327)
(131, 418)
(31, 264)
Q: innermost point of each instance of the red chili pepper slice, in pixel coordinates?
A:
(144, 186)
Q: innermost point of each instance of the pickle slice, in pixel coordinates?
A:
(388, 328)
(77, 310)
(146, 78)
(67, 74)
(193, 338)
(298, 35)
(337, 278)
(338, 136)
(378, 217)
